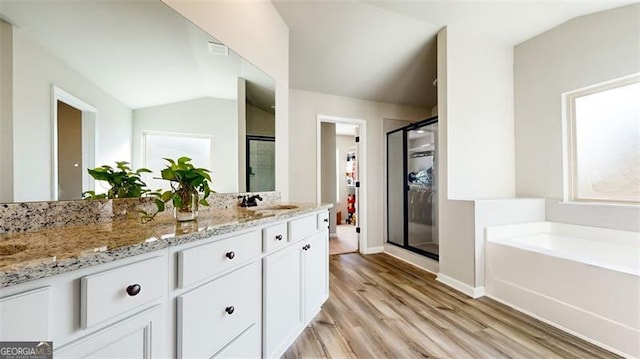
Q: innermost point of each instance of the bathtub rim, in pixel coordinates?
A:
(505, 235)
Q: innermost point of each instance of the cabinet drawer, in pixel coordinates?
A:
(113, 292)
(247, 345)
(202, 262)
(211, 316)
(25, 316)
(300, 228)
(274, 237)
(323, 220)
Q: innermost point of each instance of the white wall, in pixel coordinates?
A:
(476, 143)
(6, 112)
(480, 138)
(622, 217)
(266, 46)
(205, 116)
(34, 71)
(455, 218)
(305, 106)
(581, 52)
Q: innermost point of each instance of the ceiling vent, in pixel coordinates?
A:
(218, 49)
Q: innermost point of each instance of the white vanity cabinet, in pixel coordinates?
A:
(315, 273)
(244, 294)
(218, 301)
(282, 299)
(92, 312)
(295, 282)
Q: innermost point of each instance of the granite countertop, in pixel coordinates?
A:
(33, 255)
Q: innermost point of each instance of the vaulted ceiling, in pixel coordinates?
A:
(386, 50)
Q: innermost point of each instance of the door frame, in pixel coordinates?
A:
(405, 186)
(361, 152)
(250, 138)
(89, 114)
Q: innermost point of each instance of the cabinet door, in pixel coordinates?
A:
(25, 316)
(315, 271)
(282, 299)
(130, 338)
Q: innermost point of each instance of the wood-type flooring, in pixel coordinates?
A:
(381, 307)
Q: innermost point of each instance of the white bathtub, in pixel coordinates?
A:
(584, 280)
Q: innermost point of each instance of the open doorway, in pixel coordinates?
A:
(340, 181)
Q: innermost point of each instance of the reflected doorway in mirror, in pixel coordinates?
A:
(74, 136)
(261, 166)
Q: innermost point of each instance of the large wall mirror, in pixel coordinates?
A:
(88, 83)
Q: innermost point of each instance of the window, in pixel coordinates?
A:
(603, 142)
(159, 145)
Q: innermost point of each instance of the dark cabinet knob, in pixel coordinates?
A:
(326, 220)
(309, 246)
(230, 309)
(279, 237)
(133, 290)
(231, 255)
(306, 247)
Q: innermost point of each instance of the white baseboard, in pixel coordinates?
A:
(473, 292)
(372, 250)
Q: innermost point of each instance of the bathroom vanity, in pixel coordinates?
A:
(237, 283)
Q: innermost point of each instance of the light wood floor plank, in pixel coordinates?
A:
(381, 307)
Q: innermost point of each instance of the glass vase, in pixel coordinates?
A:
(188, 209)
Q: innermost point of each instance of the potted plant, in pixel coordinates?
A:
(187, 182)
(124, 182)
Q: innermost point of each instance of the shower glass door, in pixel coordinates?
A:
(395, 187)
(412, 200)
(421, 192)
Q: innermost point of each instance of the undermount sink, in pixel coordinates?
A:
(267, 211)
(7, 249)
(279, 207)
(254, 215)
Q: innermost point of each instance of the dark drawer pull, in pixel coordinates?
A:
(306, 248)
(326, 220)
(133, 290)
(230, 309)
(231, 255)
(279, 237)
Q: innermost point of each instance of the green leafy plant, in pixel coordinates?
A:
(124, 182)
(186, 181)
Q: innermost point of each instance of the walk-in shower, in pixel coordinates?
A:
(412, 200)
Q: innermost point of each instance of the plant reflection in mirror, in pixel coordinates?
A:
(123, 181)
